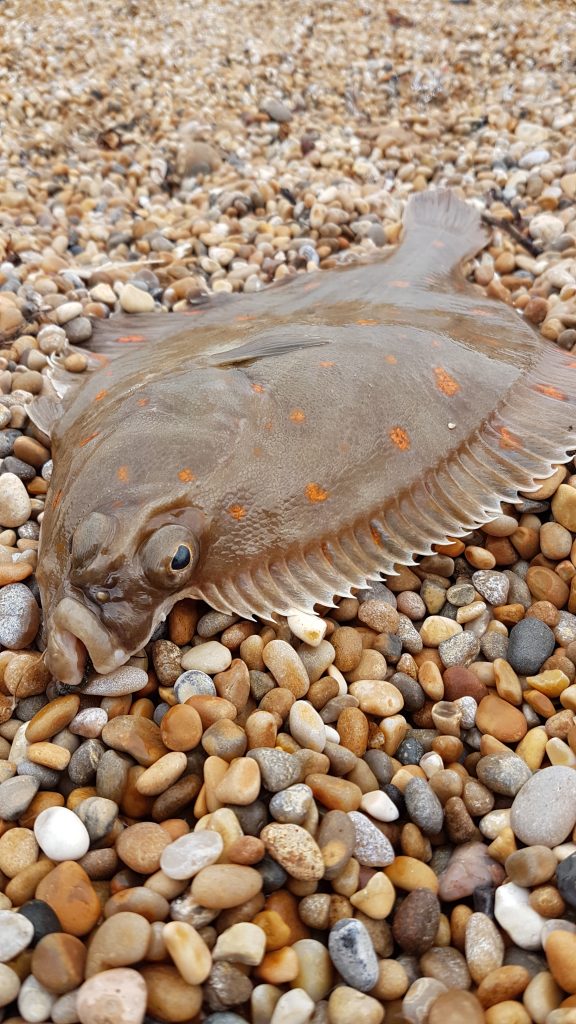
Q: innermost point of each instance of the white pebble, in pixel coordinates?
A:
(15, 507)
(34, 1001)
(60, 834)
(186, 856)
(378, 805)
(64, 1010)
(135, 300)
(514, 914)
(67, 311)
(293, 1007)
(9, 985)
(311, 629)
(306, 726)
(211, 657)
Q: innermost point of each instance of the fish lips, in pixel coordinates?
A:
(74, 634)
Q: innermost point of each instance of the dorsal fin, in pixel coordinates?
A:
(261, 348)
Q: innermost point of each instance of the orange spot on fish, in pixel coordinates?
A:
(86, 440)
(186, 475)
(438, 244)
(343, 447)
(376, 537)
(118, 503)
(237, 512)
(258, 388)
(326, 363)
(246, 316)
(399, 284)
(101, 358)
(314, 492)
(367, 323)
(391, 359)
(400, 438)
(257, 452)
(436, 344)
(101, 394)
(143, 401)
(445, 383)
(310, 286)
(268, 425)
(478, 311)
(122, 474)
(327, 553)
(57, 499)
(126, 339)
(508, 439)
(297, 416)
(551, 392)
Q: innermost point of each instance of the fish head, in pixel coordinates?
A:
(110, 580)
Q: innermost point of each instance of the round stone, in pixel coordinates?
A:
(544, 810)
(531, 642)
(503, 773)
(371, 848)
(118, 995)
(423, 807)
(60, 834)
(9, 985)
(15, 507)
(352, 953)
(416, 921)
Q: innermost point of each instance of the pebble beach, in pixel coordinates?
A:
(366, 815)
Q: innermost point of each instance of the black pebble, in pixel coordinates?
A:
(273, 875)
(530, 643)
(43, 918)
(566, 879)
(410, 751)
(412, 692)
(483, 899)
(396, 795)
(20, 469)
(7, 438)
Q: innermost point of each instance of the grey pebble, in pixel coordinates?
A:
(98, 815)
(424, 807)
(224, 1018)
(352, 954)
(494, 645)
(29, 706)
(276, 110)
(492, 585)
(260, 684)
(19, 616)
(47, 777)
(16, 934)
(409, 635)
(118, 683)
(381, 764)
(565, 629)
(226, 986)
(503, 773)
(19, 468)
(412, 692)
(278, 769)
(544, 810)
(193, 683)
(372, 848)
(112, 775)
(459, 650)
(252, 818)
(531, 642)
(461, 593)
(84, 762)
(212, 623)
(519, 592)
(291, 805)
(78, 330)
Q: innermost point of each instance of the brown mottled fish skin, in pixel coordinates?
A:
(292, 444)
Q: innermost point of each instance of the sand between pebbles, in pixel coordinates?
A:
(371, 820)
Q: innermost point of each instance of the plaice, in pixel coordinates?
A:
(302, 440)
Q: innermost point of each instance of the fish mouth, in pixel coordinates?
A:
(76, 634)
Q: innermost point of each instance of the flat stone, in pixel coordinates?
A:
(69, 892)
(492, 585)
(15, 507)
(42, 917)
(186, 856)
(16, 794)
(19, 616)
(469, 867)
(124, 680)
(484, 946)
(278, 769)
(544, 810)
(423, 806)
(210, 657)
(295, 850)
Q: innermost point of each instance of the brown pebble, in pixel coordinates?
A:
(498, 718)
(58, 962)
(501, 984)
(140, 846)
(220, 886)
(70, 893)
(170, 998)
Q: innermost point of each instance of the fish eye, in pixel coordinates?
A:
(181, 558)
(102, 596)
(169, 555)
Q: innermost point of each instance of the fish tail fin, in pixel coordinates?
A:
(440, 231)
